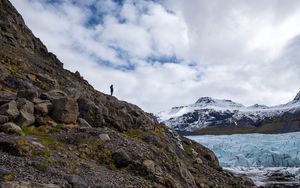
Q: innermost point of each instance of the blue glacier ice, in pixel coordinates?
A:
(257, 155)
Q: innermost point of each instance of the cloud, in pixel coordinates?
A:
(160, 54)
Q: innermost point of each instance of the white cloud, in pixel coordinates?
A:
(247, 51)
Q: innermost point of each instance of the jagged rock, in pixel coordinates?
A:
(53, 94)
(121, 159)
(6, 97)
(29, 94)
(25, 106)
(43, 108)
(149, 165)
(83, 123)
(10, 109)
(3, 119)
(25, 119)
(10, 128)
(65, 110)
(77, 181)
(104, 137)
(89, 111)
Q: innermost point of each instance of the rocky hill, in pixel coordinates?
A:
(215, 116)
(57, 131)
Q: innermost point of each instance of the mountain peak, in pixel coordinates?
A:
(205, 100)
(297, 98)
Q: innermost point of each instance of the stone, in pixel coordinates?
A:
(82, 123)
(25, 106)
(29, 94)
(65, 110)
(43, 108)
(121, 159)
(6, 97)
(53, 94)
(10, 109)
(10, 128)
(104, 137)
(89, 111)
(149, 165)
(25, 119)
(77, 181)
(3, 119)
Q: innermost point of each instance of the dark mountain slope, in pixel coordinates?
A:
(57, 131)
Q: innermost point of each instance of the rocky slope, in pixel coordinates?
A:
(214, 116)
(57, 131)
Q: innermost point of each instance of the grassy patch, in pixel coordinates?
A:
(135, 134)
(41, 166)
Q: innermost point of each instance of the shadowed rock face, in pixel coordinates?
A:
(57, 131)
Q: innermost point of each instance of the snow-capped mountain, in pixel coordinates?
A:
(215, 116)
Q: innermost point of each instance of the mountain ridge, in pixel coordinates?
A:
(222, 116)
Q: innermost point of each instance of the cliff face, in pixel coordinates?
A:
(57, 131)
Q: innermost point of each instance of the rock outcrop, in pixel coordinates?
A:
(57, 131)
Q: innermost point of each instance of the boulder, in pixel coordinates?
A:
(65, 110)
(10, 128)
(25, 106)
(6, 97)
(149, 165)
(10, 109)
(25, 118)
(3, 119)
(121, 159)
(29, 94)
(43, 108)
(104, 137)
(77, 181)
(89, 111)
(82, 123)
(53, 94)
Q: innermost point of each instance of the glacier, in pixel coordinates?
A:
(260, 156)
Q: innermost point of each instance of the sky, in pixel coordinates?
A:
(164, 53)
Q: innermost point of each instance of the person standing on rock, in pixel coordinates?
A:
(111, 89)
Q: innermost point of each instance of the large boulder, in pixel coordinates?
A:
(121, 158)
(10, 128)
(25, 106)
(43, 108)
(65, 110)
(25, 119)
(89, 111)
(10, 109)
(26, 116)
